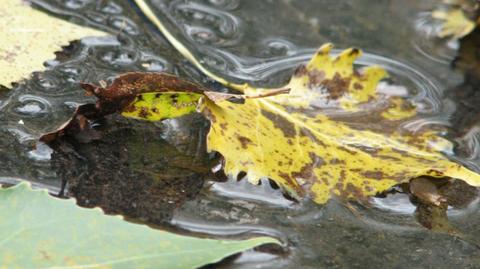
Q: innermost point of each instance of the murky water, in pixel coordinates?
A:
(259, 42)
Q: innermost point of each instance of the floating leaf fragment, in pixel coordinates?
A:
(458, 17)
(435, 197)
(30, 37)
(455, 23)
(39, 231)
(426, 191)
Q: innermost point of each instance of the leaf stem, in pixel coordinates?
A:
(148, 12)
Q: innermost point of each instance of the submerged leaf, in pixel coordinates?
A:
(426, 191)
(29, 37)
(435, 218)
(39, 231)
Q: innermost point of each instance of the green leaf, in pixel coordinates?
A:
(159, 106)
(39, 231)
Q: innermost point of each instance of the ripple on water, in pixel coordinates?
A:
(73, 72)
(31, 106)
(75, 4)
(225, 4)
(207, 24)
(152, 63)
(427, 43)
(264, 192)
(277, 47)
(408, 81)
(97, 17)
(469, 143)
(123, 24)
(111, 8)
(116, 57)
(42, 152)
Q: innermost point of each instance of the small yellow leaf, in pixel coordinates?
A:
(30, 37)
(159, 106)
(455, 23)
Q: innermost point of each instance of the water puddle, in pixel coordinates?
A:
(158, 173)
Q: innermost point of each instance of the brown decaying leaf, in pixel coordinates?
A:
(426, 190)
(117, 96)
(78, 125)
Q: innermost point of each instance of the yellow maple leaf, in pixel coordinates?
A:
(29, 37)
(302, 140)
(289, 139)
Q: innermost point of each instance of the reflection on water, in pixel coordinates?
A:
(259, 42)
(428, 45)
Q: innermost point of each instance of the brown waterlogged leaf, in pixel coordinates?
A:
(426, 191)
(433, 198)
(328, 132)
(30, 37)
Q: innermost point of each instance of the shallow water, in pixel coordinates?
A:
(259, 42)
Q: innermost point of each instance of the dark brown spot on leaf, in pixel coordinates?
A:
(336, 161)
(347, 150)
(245, 141)
(378, 175)
(357, 86)
(292, 183)
(315, 77)
(281, 123)
(209, 115)
(307, 133)
(307, 171)
(336, 86)
(300, 71)
(354, 52)
(354, 191)
(144, 112)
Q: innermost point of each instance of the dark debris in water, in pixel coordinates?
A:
(467, 94)
(433, 197)
(129, 170)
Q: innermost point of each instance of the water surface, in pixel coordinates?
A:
(139, 169)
